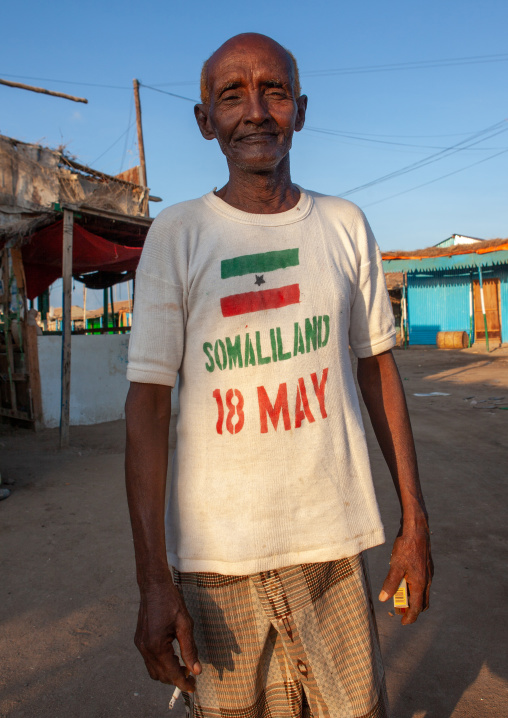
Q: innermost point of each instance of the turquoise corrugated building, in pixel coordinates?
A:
(455, 287)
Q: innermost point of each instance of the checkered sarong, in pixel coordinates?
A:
(289, 643)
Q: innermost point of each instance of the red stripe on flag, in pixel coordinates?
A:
(256, 301)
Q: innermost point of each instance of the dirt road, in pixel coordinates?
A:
(69, 600)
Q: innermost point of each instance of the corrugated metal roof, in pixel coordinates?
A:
(455, 261)
(484, 247)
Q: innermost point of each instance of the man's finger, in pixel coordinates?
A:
(416, 602)
(168, 669)
(391, 584)
(188, 649)
(183, 679)
(412, 613)
(151, 670)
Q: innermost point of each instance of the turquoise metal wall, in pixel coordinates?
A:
(437, 303)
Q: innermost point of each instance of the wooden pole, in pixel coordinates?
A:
(129, 295)
(141, 144)
(112, 306)
(68, 226)
(403, 308)
(42, 91)
(483, 309)
(6, 277)
(84, 307)
(471, 313)
(32, 354)
(105, 318)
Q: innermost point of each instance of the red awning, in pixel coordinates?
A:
(42, 256)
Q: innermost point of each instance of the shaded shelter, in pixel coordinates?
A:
(42, 259)
(58, 218)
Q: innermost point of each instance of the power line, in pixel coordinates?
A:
(165, 92)
(367, 138)
(414, 65)
(68, 82)
(175, 83)
(129, 125)
(415, 137)
(433, 158)
(111, 146)
(424, 184)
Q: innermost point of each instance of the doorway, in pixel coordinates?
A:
(491, 296)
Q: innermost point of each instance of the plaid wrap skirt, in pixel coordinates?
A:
(296, 642)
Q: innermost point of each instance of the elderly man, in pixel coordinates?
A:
(254, 294)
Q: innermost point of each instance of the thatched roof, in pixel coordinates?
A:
(488, 245)
(394, 280)
(35, 182)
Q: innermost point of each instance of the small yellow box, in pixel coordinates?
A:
(401, 597)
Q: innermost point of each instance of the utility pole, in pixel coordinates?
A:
(141, 144)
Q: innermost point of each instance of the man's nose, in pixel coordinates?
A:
(256, 110)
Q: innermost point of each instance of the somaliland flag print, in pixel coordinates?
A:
(259, 265)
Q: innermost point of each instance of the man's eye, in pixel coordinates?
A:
(231, 97)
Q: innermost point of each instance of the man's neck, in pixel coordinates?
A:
(267, 193)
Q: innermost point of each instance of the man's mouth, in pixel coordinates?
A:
(258, 137)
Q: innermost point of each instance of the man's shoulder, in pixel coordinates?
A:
(181, 211)
(338, 206)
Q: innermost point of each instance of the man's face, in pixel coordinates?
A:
(252, 112)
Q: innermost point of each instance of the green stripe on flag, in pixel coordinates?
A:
(258, 263)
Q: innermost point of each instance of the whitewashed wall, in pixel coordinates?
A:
(98, 384)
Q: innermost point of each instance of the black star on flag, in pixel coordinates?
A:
(259, 280)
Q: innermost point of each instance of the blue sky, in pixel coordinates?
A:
(165, 43)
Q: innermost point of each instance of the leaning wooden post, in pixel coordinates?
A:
(483, 308)
(404, 312)
(471, 313)
(68, 223)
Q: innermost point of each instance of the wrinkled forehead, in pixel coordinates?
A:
(244, 62)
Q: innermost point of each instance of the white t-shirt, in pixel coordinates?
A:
(257, 312)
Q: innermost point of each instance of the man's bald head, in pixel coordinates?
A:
(237, 42)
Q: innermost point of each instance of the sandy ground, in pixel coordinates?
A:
(69, 599)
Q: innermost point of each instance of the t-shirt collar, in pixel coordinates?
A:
(297, 213)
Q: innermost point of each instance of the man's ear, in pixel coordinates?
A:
(301, 104)
(201, 113)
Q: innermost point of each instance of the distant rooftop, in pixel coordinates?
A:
(458, 239)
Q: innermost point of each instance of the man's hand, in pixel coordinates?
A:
(163, 618)
(411, 559)
(384, 398)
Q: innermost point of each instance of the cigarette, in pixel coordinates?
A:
(175, 697)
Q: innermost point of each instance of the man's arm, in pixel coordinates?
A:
(384, 398)
(162, 613)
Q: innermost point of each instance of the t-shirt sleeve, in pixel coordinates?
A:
(157, 337)
(372, 326)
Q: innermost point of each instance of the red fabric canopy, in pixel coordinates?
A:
(42, 257)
